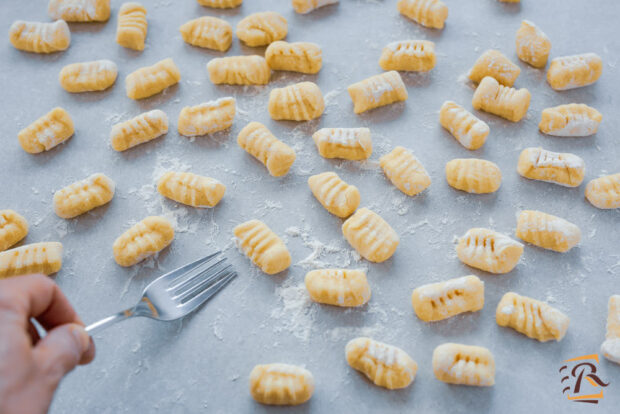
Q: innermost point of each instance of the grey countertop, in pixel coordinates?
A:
(201, 363)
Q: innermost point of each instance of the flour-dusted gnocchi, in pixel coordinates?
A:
(564, 169)
(143, 128)
(258, 141)
(208, 32)
(500, 100)
(494, 64)
(45, 133)
(346, 143)
(79, 10)
(572, 120)
(570, 72)
(405, 171)
(306, 6)
(13, 228)
(45, 257)
(438, 301)
(151, 80)
(338, 197)
(464, 365)
(547, 231)
(220, 4)
(610, 348)
(298, 102)
(38, 37)
(260, 29)
(385, 365)
(262, 246)
(239, 70)
(83, 196)
(531, 317)
(473, 175)
(207, 117)
(533, 45)
(97, 75)
(429, 13)
(376, 91)
(468, 130)
(604, 192)
(408, 55)
(143, 239)
(370, 235)
(132, 26)
(489, 250)
(338, 287)
(304, 57)
(281, 384)
(191, 189)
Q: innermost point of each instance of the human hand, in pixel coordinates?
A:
(30, 367)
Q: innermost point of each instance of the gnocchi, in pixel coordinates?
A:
(306, 6)
(143, 239)
(37, 37)
(298, 102)
(572, 120)
(83, 196)
(45, 133)
(191, 189)
(405, 171)
(408, 55)
(489, 250)
(547, 231)
(208, 32)
(262, 246)
(533, 45)
(13, 228)
(257, 140)
(207, 117)
(92, 76)
(438, 301)
(464, 365)
(376, 91)
(45, 257)
(260, 29)
(79, 10)
(338, 197)
(468, 130)
(303, 57)
(220, 4)
(570, 72)
(610, 348)
(151, 80)
(509, 103)
(143, 128)
(385, 365)
(281, 384)
(553, 167)
(604, 192)
(493, 63)
(370, 235)
(473, 175)
(239, 70)
(132, 26)
(429, 13)
(338, 287)
(531, 317)
(346, 143)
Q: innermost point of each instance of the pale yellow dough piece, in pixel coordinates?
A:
(547, 231)
(604, 192)
(385, 365)
(144, 239)
(303, 57)
(258, 141)
(262, 246)
(493, 63)
(570, 72)
(79, 10)
(83, 196)
(132, 26)
(531, 317)
(464, 365)
(45, 257)
(143, 128)
(38, 37)
(572, 120)
(345, 143)
(405, 171)
(408, 55)
(564, 169)
(438, 301)
(191, 189)
(473, 175)
(281, 384)
(151, 80)
(376, 91)
(429, 13)
(45, 133)
(208, 32)
(298, 102)
(260, 29)
(611, 346)
(239, 70)
(207, 117)
(92, 76)
(489, 250)
(468, 130)
(13, 228)
(338, 197)
(220, 4)
(500, 100)
(533, 45)
(306, 6)
(338, 287)
(370, 235)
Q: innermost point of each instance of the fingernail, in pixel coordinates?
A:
(81, 336)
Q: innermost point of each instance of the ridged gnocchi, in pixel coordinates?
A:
(143, 239)
(405, 171)
(258, 141)
(464, 365)
(494, 64)
(531, 317)
(346, 143)
(338, 197)
(220, 4)
(408, 55)
(370, 235)
(468, 130)
(151, 80)
(13, 228)
(38, 37)
(281, 384)
(45, 133)
(191, 189)
(429, 13)
(438, 301)
(207, 117)
(604, 192)
(208, 32)
(260, 29)
(610, 348)
(533, 45)
(132, 26)
(489, 250)
(570, 72)
(376, 91)
(547, 231)
(306, 6)
(143, 128)
(83, 196)
(572, 120)
(563, 169)
(338, 287)
(239, 70)
(509, 103)
(473, 175)
(79, 10)
(262, 246)
(45, 257)
(298, 102)
(92, 76)
(303, 57)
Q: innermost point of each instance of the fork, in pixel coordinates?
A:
(176, 293)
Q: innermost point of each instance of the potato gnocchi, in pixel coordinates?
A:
(509, 103)
(473, 175)
(262, 246)
(572, 120)
(143, 128)
(533, 45)
(13, 228)
(207, 32)
(570, 72)
(547, 231)
(464, 365)
(610, 348)
(303, 57)
(298, 102)
(143, 239)
(151, 80)
(306, 6)
(83, 196)
(429, 13)
(376, 91)
(370, 235)
(79, 10)
(345, 143)
(338, 197)
(489, 250)
(338, 287)
(604, 192)
(45, 133)
(38, 37)
(281, 384)
(258, 141)
(260, 29)
(191, 189)
(92, 76)
(438, 301)
(408, 55)
(132, 26)
(539, 164)
(494, 64)
(207, 117)
(239, 70)
(468, 130)
(220, 4)
(45, 257)
(405, 171)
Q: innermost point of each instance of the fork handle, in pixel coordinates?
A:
(98, 326)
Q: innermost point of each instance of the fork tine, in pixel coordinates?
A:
(181, 284)
(176, 273)
(207, 293)
(203, 283)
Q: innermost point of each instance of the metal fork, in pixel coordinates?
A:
(177, 293)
